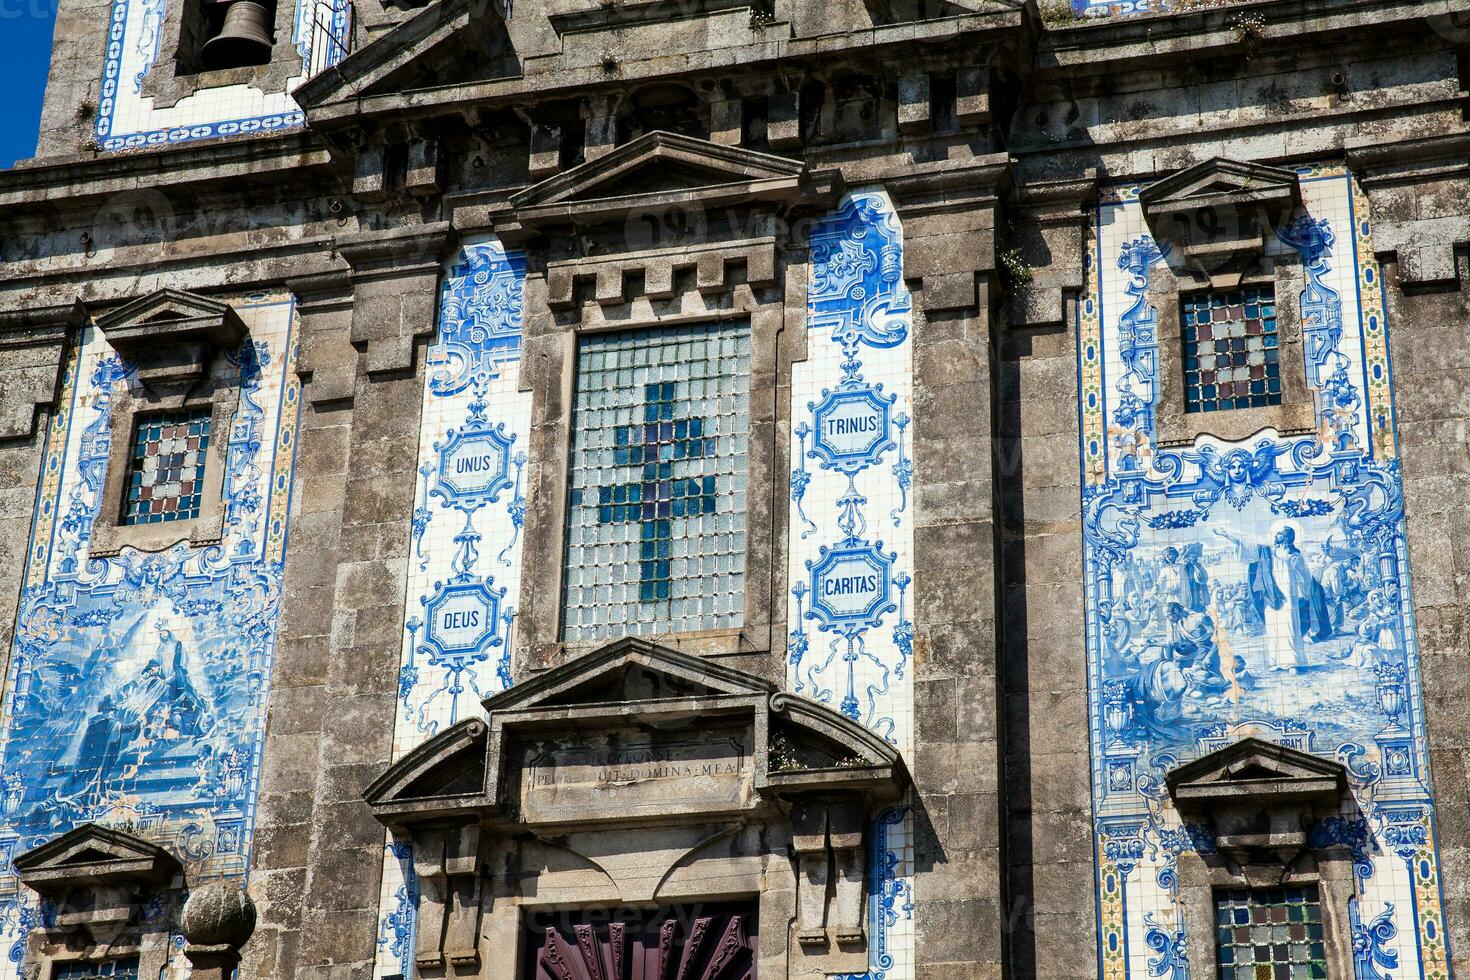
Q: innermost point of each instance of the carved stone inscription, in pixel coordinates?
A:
(636, 774)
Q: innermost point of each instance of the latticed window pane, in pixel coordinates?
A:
(656, 515)
(1270, 934)
(1231, 354)
(125, 969)
(166, 473)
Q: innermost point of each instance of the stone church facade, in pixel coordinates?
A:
(715, 489)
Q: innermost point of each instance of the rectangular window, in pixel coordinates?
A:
(1270, 934)
(125, 969)
(1231, 353)
(166, 471)
(656, 511)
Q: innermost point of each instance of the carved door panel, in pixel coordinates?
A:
(692, 942)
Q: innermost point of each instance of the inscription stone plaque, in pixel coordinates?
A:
(637, 774)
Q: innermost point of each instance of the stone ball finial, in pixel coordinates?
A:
(218, 914)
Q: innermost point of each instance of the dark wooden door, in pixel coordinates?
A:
(691, 942)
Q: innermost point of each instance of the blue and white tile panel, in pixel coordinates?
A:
(1118, 8)
(1255, 588)
(137, 687)
(851, 530)
(127, 119)
(464, 570)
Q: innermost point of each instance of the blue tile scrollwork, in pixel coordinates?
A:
(851, 637)
(469, 509)
(138, 683)
(1257, 588)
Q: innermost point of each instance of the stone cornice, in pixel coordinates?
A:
(1106, 46)
(51, 185)
(521, 90)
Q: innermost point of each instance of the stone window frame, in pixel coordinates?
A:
(182, 21)
(459, 800)
(1258, 801)
(673, 287)
(51, 966)
(177, 343)
(99, 877)
(1295, 415)
(109, 534)
(1330, 870)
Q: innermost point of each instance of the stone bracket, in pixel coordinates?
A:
(1425, 240)
(1049, 231)
(949, 218)
(1218, 214)
(447, 865)
(33, 347)
(327, 363)
(395, 282)
(827, 838)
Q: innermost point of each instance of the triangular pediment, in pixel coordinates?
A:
(1220, 179)
(160, 306)
(91, 854)
(625, 671)
(448, 42)
(1256, 768)
(633, 688)
(663, 169)
(170, 316)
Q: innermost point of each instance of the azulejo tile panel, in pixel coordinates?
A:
(1258, 588)
(1118, 8)
(138, 685)
(465, 559)
(128, 119)
(851, 532)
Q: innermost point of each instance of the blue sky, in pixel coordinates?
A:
(25, 51)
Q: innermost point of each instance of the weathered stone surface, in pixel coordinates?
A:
(993, 130)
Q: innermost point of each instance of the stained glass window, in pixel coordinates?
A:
(1270, 934)
(166, 473)
(125, 969)
(656, 512)
(1231, 353)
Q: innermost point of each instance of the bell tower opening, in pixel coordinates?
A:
(224, 34)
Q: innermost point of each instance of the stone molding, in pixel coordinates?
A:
(1424, 242)
(729, 176)
(174, 340)
(1049, 229)
(326, 363)
(949, 217)
(33, 347)
(395, 281)
(405, 43)
(1258, 801)
(664, 723)
(98, 880)
(1296, 415)
(594, 265)
(1217, 214)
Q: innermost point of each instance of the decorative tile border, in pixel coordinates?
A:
(851, 532)
(127, 119)
(1178, 531)
(465, 562)
(138, 685)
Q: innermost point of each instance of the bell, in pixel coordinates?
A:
(243, 39)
